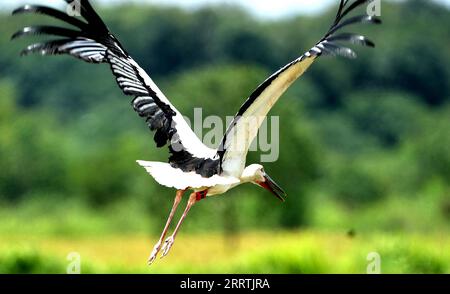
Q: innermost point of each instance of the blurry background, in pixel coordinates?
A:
(365, 144)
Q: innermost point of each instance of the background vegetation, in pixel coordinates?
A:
(365, 147)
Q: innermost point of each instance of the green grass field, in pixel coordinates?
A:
(257, 252)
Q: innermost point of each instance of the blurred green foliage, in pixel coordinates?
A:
(365, 144)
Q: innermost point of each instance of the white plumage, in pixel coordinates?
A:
(171, 177)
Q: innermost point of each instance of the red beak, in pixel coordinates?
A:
(273, 187)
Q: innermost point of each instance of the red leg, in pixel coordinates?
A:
(194, 198)
(157, 247)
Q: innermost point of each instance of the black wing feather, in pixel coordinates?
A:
(353, 20)
(329, 40)
(92, 42)
(50, 12)
(352, 38)
(47, 30)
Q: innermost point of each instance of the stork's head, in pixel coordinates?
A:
(255, 174)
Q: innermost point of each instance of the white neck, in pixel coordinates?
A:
(251, 173)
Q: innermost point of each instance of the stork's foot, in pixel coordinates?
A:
(167, 245)
(155, 252)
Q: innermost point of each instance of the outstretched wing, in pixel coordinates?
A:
(90, 40)
(244, 128)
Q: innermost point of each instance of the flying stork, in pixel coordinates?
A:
(192, 165)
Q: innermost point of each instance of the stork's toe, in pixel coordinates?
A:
(167, 246)
(154, 253)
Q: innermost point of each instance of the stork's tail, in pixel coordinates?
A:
(330, 43)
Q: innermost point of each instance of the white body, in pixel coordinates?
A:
(171, 177)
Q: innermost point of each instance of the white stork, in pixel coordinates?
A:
(192, 165)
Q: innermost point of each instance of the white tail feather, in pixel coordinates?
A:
(171, 177)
